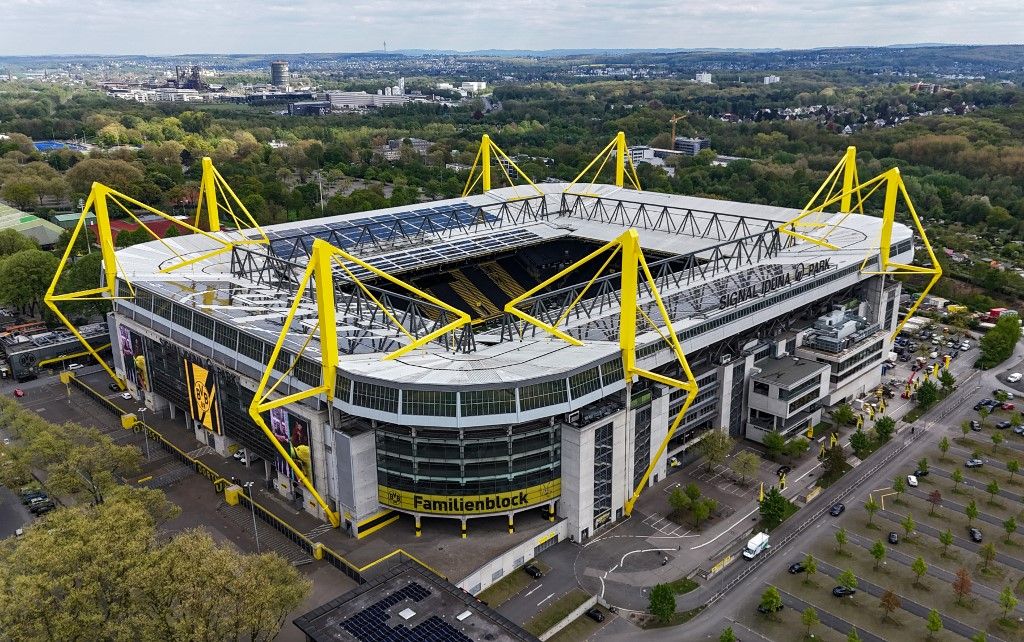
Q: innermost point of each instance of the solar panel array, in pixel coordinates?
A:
(370, 624)
(288, 244)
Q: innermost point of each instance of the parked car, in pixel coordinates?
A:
(1019, 430)
(975, 425)
(42, 508)
(766, 611)
(796, 568)
(974, 534)
(973, 463)
(238, 454)
(113, 386)
(894, 537)
(595, 615)
(981, 404)
(842, 591)
(27, 496)
(18, 392)
(1003, 425)
(912, 481)
(74, 366)
(836, 510)
(783, 470)
(1014, 377)
(1006, 405)
(126, 395)
(920, 472)
(1000, 392)
(533, 571)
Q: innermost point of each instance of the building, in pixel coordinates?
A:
(38, 229)
(309, 108)
(703, 78)
(364, 100)
(408, 602)
(473, 86)
(771, 80)
(279, 73)
(392, 151)
(498, 416)
(31, 349)
(690, 146)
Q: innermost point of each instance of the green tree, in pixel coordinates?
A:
(844, 415)
(810, 568)
(771, 601)
(847, 579)
(899, 485)
(987, 552)
(746, 463)
(841, 540)
(920, 568)
(965, 428)
(796, 447)
(997, 440)
(878, 553)
(773, 508)
(115, 173)
(947, 380)
(20, 193)
(702, 510)
(944, 446)
(1013, 466)
(983, 412)
(662, 602)
(1007, 600)
(728, 635)
(679, 501)
(833, 464)
(12, 241)
(889, 602)
(871, 506)
(774, 443)
(852, 636)
(958, 478)
(908, 524)
(934, 623)
(884, 428)
(860, 442)
(980, 636)
(993, 490)
(997, 344)
(24, 277)
(809, 618)
(715, 447)
(927, 394)
(972, 512)
(1010, 526)
(945, 538)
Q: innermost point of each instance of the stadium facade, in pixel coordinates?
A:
(498, 417)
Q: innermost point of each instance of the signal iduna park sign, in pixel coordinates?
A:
(469, 504)
(799, 272)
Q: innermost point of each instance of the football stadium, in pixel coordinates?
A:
(549, 347)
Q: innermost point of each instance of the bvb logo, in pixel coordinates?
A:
(394, 497)
(203, 398)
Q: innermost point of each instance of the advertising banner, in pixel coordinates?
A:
(469, 504)
(292, 432)
(202, 396)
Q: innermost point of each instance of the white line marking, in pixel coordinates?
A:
(740, 521)
(532, 590)
(545, 599)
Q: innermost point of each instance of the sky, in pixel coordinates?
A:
(38, 27)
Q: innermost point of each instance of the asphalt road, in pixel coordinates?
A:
(12, 514)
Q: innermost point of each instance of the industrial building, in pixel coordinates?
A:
(279, 73)
(32, 347)
(690, 146)
(469, 357)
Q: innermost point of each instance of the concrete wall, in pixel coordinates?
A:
(569, 619)
(511, 559)
(356, 458)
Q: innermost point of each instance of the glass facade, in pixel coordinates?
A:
(442, 461)
(642, 444)
(603, 457)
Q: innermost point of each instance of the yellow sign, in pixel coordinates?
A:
(725, 561)
(469, 504)
(202, 392)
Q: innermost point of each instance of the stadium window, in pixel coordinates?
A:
(226, 336)
(162, 307)
(487, 402)
(203, 325)
(251, 347)
(429, 403)
(144, 299)
(181, 316)
(540, 395)
(369, 395)
(343, 389)
(308, 372)
(612, 371)
(584, 383)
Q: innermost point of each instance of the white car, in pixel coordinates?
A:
(1014, 378)
(74, 366)
(934, 355)
(126, 395)
(912, 481)
(965, 346)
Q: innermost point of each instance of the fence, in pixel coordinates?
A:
(569, 619)
(316, 549)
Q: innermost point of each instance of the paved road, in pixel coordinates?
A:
(12, 514)
(830, 620)
(909, 605)
(556, 582)
(958, 541)
(974, 483)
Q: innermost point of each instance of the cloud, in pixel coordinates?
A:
(33, 27)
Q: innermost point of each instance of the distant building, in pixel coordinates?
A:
(393, 150)
(28, 351)
(279, 73)
(474, 86)
(691, 146)
(641, 154)
(310, 108)
(771, 80)
(363, 100)
(703, 78)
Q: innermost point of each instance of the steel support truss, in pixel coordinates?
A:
(481, 170)
(617, 148)
(320, 271)
(632, 262)
(98, 203)
(817, 231)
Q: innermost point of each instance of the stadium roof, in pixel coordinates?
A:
(42, 231)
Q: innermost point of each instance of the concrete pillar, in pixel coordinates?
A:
(464, 533)
(551, 511)
(511, 524)
(419, 527)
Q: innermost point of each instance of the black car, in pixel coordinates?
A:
(783, 470)
(975, 425)
(114, 387)
(27, 497)
(981, 404)
(836, 510)
(595, 615)
(842, 591)
(533, 571)
(797, 568)
(974, 534)
(765, 611)
(41, 508)
(894, 537)
(1003, 425)
(920, 472)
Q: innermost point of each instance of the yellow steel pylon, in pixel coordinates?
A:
(617, 148)
(98, 202)
(323, 259)
(481, 170)
(633, 264)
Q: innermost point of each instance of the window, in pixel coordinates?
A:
(487, 402)
(308, 372)
(250, 346)
(343, 391)
(143, 299)
(813, 382)
(602, 474)
(162, 307)
(203, 326)
(226, 336)
(612, 371)
(585, 382)
(181, 315)
(541, 395)
(432, 403)
(642, 440)
(369, 395)
(761, 388)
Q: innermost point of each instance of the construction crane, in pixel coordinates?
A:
(675, 119)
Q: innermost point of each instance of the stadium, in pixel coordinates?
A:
(551, 347)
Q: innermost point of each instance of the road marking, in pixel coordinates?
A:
(816, 466)
(532, 590)
(545, 599)
(740, 521)
(641, 550)
(144, 479)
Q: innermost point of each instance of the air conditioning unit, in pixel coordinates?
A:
(572, 417)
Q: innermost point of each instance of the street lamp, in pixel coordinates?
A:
(248, 487)
(145, 430)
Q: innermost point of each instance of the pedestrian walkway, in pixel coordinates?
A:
(267, 538)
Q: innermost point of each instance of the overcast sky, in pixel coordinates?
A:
(32, 27)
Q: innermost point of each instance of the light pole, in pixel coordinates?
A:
(248, 487)
(145, 430)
